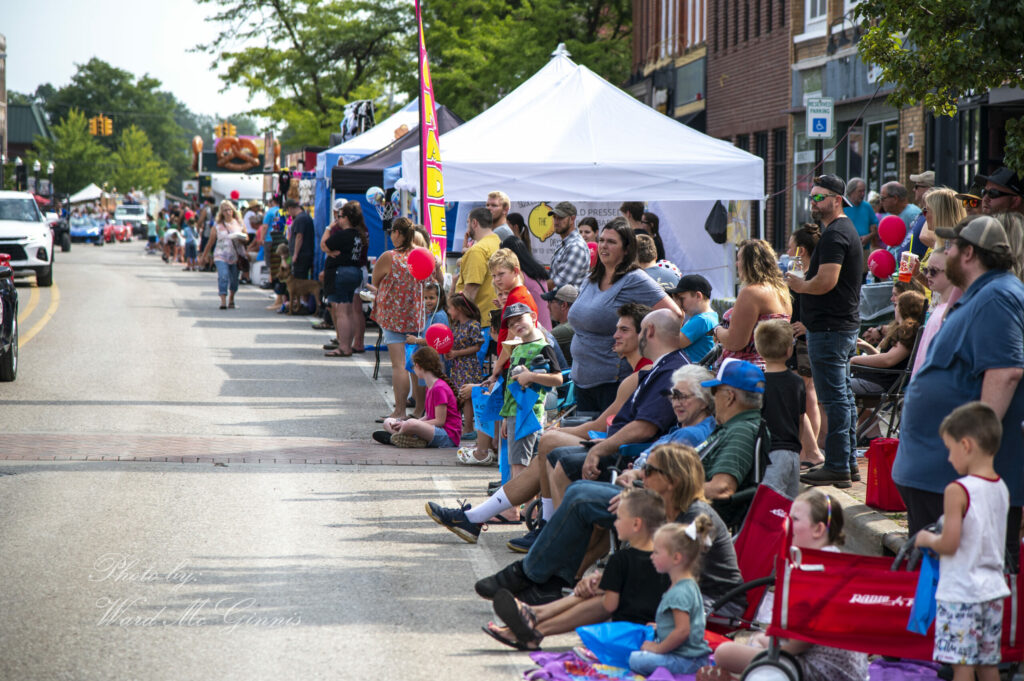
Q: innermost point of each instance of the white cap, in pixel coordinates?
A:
(338, 203)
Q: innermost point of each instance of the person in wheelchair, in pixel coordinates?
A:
(893, 353)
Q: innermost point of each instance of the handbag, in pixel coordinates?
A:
(614, 642)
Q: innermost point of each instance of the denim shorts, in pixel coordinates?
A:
(190, 251)
(346, 281)
(441, 438)
(392, 337)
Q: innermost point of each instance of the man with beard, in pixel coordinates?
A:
(830, 309)
(978, 354)
(571, 260)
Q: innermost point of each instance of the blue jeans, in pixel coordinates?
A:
(644, 663)
(227, 277)
(830, 353)
(563, 542)
(441, 439)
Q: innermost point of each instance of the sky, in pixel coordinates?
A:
(139, 36)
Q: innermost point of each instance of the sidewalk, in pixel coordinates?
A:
(868, 531)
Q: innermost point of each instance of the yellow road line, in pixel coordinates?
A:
(33, 300)
(38, 326)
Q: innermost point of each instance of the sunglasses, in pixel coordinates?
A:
(648, 469)
(676, 396)
(970, 203)
(932, 271)
(995, 193)
(818, 198)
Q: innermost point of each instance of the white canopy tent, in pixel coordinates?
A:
(89, 193)
(566, 134)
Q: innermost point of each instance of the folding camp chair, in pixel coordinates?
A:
(891, 400)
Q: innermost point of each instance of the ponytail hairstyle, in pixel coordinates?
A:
(690, 540)
(807, 237)
(468, 307)
(426, 358)
(825, 509)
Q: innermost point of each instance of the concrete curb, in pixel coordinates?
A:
(867, 531)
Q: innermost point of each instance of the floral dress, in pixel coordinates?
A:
(748, 353)
(399, 304)
(464, 370)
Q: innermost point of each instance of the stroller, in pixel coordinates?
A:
(859, 603)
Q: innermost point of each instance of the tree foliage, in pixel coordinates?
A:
(311, 58)
(936, 52)
(134, 165)
(77, 157)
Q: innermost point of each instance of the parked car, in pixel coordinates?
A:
(85, 228)
(61, 231)
(8, 321)
(134, 215)
(25, 236)
(117, 231)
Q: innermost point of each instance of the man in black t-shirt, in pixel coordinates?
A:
(300, 240)
(830, 309)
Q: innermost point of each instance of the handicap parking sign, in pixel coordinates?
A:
(819, 118)
(819, 124)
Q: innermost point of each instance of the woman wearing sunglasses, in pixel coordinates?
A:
(941, 209)
(944, 294)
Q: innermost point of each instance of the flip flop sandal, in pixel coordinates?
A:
(338, 353)
(518, 617)
(502, 520)
(494, 631)
(223, 307)
(710, 673)
(807, 466)
(231, 305)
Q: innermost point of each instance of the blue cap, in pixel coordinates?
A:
(738, 374)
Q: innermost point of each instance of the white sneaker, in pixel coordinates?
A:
(467, 456)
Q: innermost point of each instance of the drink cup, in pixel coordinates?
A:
(908, 261)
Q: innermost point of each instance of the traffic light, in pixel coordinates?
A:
(218, 130)
(108, 126)
(93, 127)
(232, 130)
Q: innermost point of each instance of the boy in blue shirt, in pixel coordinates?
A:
(693, 293)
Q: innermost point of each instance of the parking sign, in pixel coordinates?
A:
(819, 118)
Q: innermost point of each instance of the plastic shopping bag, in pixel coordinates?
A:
(922, 613)
(526, 420)
(613, 642)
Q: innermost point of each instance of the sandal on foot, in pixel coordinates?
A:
(467, 456)
(337, 353)
(495, 632)
(518, 617)
(712, 673)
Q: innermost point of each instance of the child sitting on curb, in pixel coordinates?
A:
(444, 427)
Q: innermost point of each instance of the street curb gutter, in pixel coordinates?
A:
(867, 531)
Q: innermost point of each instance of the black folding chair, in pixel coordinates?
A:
(889, 401)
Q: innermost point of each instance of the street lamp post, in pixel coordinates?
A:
(3, 162)
(36, 167)
(18, 169)
(49, 172)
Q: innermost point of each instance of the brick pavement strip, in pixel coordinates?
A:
(219, 449)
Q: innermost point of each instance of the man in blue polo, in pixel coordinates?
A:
(860, 212)
(978, 354)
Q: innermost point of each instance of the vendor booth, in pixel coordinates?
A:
(566, 134)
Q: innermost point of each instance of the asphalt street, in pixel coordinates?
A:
(220, 570)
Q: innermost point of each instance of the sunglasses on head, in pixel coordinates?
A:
(818, 198)
(648, 469)
(932, 271)
(971, 203)
(995, 193)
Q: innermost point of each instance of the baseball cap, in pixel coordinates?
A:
(566, 293)
(292, 203)
(738, 374)
(984, 231)
(563, 209)
(927, 178)
(1006, 178)
(515, 310)
(834, 184)
(339, 203)
(693, 282)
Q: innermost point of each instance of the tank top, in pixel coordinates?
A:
(399, 304)
(749, 351)
(224, 249)
(974, 574)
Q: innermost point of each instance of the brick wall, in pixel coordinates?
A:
(912, 121)
(749, 79)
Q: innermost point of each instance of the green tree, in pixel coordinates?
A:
(133, 165)
(311, 58)
(77, 157)
(934, 53)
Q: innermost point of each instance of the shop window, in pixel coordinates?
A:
(804, 173)
(743, 142)
(746, 20)
(757, 18)
(768, 15)
(735, 22)
(690, 82)
(882, 153)
(777, 204)
(969, 144)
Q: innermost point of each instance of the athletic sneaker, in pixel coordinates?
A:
(408, 441)
(523, 544)
(455, 520)
(382, 436)
(511, 577)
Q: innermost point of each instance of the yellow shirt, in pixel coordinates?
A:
(474, 270)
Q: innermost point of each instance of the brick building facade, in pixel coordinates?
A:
(748, 101)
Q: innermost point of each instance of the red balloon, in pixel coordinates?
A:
(593, 252)
(892, 230)
(234, 194)
(421, 263)
(882, 263)
(440, 338)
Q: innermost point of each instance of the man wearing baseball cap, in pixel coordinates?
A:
(978, 353)
(728, 453)
(693, 295)
(571, 260)
(559, 301)
(1003, 192)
